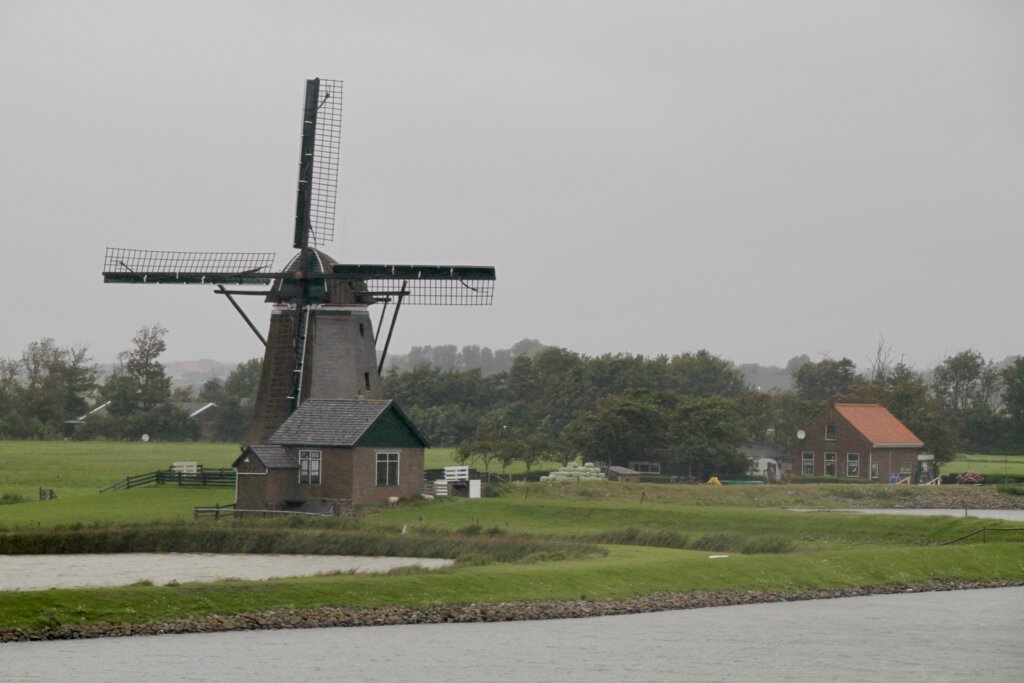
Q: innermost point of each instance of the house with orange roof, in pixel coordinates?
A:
(861, 441)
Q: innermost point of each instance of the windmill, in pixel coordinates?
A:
(321, 342)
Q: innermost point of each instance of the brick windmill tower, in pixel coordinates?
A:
(321, 342)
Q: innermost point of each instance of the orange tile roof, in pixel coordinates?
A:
(878, 425)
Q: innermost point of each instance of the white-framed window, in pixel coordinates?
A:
(830, 464)
(309, 467)
(387, 469)
(830, 431)
(645, 467)
(906, 467)
(807, 464)
(853, 464)
(874, 470)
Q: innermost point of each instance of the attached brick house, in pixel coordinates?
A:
(858, 441)
(330, 455)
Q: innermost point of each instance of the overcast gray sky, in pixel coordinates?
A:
(761, 179)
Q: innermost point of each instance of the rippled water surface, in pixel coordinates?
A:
(935, 637)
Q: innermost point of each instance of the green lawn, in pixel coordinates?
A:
(991, 466)
(77, 470)
(650, 530)
(627, 571)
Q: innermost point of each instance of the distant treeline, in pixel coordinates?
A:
(966, 403)
(449, 357)
(54, 392)
(541, 399)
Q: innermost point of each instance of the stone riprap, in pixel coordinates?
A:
(503, 611)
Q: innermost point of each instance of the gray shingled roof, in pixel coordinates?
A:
(329, 422)
(274, 457)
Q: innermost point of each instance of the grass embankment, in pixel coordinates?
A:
(530, 543)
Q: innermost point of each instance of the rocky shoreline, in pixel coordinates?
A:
(503, 611)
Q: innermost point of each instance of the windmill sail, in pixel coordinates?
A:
(319, 160)
(146, 266)
(320, 342)
(424, 285)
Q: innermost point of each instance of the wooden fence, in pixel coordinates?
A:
(219, 511)
(984, 533)
(224, 477)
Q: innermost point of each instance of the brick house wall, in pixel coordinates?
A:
(342, 441)
(350, 474)
(364, 474)
(260, 488)
(830, 433)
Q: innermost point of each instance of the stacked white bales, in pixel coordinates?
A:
(574, 472)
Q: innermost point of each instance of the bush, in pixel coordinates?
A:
(970, 478)
(1012, 490)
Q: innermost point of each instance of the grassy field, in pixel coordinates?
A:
(77, 470)
(657, 538)
(991, 466)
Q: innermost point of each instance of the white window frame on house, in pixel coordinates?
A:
(645, 466)
(853, 465)
(310, 467)
(906, 467)
(831, 457)
(391, 460)
(807, 464)
(874, 470)
(830, 431)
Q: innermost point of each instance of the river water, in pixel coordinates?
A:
(39, 572)
(1006, 515)
(935, 637)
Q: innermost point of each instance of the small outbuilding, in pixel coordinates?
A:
(623, 474)
(766, 461)
(330, 455)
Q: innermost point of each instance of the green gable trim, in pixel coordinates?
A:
(391, 429)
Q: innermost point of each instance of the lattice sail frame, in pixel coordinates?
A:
(187, 267)
(424, 285)
(323, 196)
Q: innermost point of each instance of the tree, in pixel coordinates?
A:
(621, 429)
(235, 398)
(704, 374)
(965, 381)
(882, 365)
(1013, 389)
(1013, 402)
(706, 433)
(756, 410)
(790, 413)
(140, 383)
(968, 386)
(139, 392)
(56, 382)
(826, 379)
(483, 449)
(47, 386)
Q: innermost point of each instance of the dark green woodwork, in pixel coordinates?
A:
(391, 429)
(305, 190)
